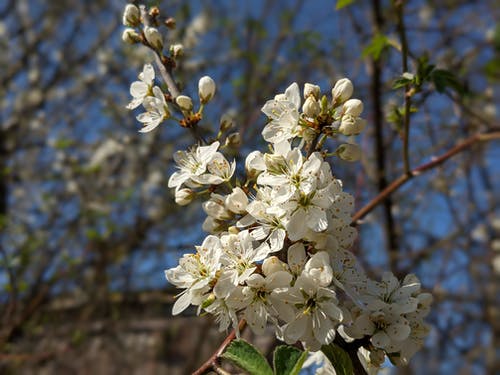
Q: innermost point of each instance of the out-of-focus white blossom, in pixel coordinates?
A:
(349, 152)
(177, 50)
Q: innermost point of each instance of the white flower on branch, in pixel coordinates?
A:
(191, 163)
(195, 272)
(283, 111)
(142, 88)
(311, 311)
(156, 111)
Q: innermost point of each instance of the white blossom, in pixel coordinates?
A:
(191, 163)
(284, 114)
(195, 272)
(156, 111)
(142, 88)
(311, 312)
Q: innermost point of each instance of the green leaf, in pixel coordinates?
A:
(404, 80)
(247, 357)
(443, 79)
(343, 3)
(377, 45)
(492, 69)
(288, 360)
(339, 358)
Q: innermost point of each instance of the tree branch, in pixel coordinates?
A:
(212, 362)
(401, 180)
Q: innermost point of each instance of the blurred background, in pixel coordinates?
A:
(88, 225)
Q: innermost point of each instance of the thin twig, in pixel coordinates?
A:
(167, 75)
(212, 362)
(384, 194)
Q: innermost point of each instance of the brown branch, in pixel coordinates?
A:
(404, 63)
(376, 89)
(212, 362)
(401, 180)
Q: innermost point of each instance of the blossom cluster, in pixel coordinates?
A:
(277, 253)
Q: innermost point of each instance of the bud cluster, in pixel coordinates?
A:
(318, 116)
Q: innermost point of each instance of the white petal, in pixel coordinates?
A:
(295, 226)
(293, 94)
(380, 339)
(295, 329)
(181, 303)
(139, 89)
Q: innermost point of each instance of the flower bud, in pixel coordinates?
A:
(349, 152)
(233, 140)
(237, 201)
(272, 265)
(153, 37)
(215, 207)
(130, 36)
(131, 16)
(254, 164)
(184, 102)
(353, 107)
(211, 225)
(311, 107)
(226, 121)
(342, 90)
(311, 90)
(350, 125)
(170, 23)
(184, 196)
(176, 50)
(206, 89)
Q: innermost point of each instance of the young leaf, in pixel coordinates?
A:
(444, 78)
(404, 80)
(377, 45)
(247, 357)
(288, 360)
(339, 359)
(343, 3)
